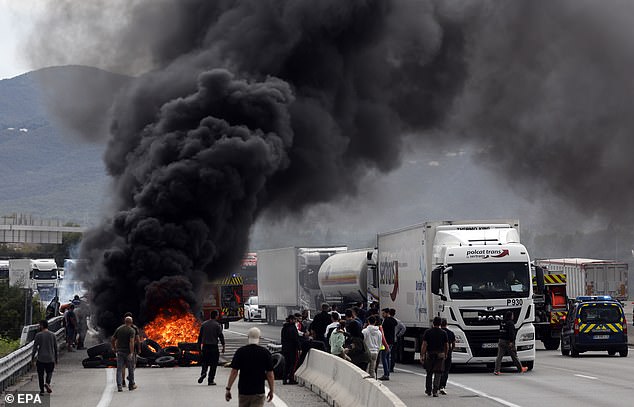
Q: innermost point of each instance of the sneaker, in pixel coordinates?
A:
(201, 379)
(132, 387)
(428, 393)
(119, 388)
(123, 383)
(524, 369)
(384, 378)
(48, 388)
(42, 392)
(211, 383)
(496, 373)
(443, 391)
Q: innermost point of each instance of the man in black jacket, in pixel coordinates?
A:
(290, 347)
(321, 321)
(433, 353)
(506, 344)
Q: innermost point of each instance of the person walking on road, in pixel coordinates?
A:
(433, 352)
(208, 338)
(451, 342)
(45, 346)
(81, 312)
(137, 346)
(290, 347)
(123, 344)
(254, 363)
(372, 337)
(506, 344)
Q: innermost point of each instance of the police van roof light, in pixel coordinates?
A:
(594, 298)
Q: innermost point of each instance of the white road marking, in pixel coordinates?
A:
(467, 388)
(106, 396)
(587, 377)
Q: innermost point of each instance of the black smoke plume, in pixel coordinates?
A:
(251, 105)
(269, 104)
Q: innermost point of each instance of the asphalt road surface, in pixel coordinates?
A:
(594, 379)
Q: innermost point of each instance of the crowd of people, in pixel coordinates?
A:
(368, 338)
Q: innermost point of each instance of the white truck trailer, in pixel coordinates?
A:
(590, 276)
(288, 280)
(469, 272)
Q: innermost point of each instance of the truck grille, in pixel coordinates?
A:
(481, 342)
(483, 317)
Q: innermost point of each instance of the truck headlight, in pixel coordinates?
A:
(528, 336)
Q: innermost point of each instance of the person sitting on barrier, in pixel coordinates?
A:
(337, 339)
(358, 353)
(308, 344)
(52, 309)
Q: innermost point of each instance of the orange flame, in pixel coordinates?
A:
(171, 327)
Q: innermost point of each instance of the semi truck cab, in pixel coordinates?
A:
(476, 284)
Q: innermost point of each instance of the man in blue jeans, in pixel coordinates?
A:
(389, 333)
(123, 345)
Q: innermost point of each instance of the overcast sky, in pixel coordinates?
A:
(16, 17)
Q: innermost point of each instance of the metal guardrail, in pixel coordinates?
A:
(19, 362)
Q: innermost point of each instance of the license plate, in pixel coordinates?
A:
(601, 337)
(489, 345)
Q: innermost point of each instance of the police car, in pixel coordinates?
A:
(594, 323)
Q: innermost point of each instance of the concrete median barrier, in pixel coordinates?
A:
(341, 383)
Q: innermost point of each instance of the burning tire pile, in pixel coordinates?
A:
(152, 354)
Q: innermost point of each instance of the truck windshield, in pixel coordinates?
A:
(488, 280)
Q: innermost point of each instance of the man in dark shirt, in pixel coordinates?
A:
(208, 337)
(506, 344)
(123, 345)
(433, 352)
(45, 346)
(254, 363)
(451, 342)
(320, 322)
(290, 347)
(389, 333)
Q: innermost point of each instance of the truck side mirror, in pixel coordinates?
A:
(539, 277)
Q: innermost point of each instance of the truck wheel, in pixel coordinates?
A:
(574, 352)
(611, 352)
(623, 353)
(551, 343)
(529, 365)
(565, 351)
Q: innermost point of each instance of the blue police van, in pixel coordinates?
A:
(594, 323)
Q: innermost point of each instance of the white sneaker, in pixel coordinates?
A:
(442, 391)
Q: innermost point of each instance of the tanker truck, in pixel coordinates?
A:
(349, 277)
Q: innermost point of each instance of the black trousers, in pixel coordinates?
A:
(44, 367)
(290, 363)
(210, 356)
(445, 373)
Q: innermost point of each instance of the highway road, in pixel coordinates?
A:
(594, 379)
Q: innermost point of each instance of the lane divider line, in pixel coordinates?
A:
(106, 396)
(467, 388)
(587, 377)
